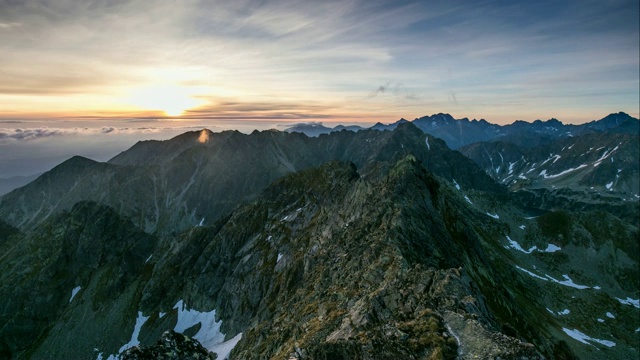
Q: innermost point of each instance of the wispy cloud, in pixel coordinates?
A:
(83, 58)
(27, 134)
(9, 25)
(393, 89)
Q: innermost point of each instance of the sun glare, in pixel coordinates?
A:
(172, 100)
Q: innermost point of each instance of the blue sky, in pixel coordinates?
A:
(90, 64)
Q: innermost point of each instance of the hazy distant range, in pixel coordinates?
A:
(29, 148)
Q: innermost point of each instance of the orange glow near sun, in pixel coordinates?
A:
(171, 99)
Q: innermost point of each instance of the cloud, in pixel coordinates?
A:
(29, 134)
(301, 123)
(380, 90)
(395, 89)
(262, 110)
(26, 134)
(9, 25)
(81, 59)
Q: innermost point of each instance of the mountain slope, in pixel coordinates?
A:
(88, 250)
(596, 163)
(200, 176)
(336, 262)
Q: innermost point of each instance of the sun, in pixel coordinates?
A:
(173, 100)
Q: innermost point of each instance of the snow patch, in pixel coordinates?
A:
(607, 154)
(600, 320)
(609, 185)
(495, 216)
(563, 312)
(456, 184)
(468, 200)
(630, 301)
(224, 349)
(551, 248)
(209, 334)
(550, 157)
(610, 315)
(201, 222)
(149, 258)
(522, 227)
(530, 273)
(279, 257)
(576, 334)
(516, 246)
(544, 172)
(567, 282)
(74, 292)
(427, 141)
(140, 320)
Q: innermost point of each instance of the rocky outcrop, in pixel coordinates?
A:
(171, 346)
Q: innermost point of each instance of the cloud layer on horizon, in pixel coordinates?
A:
(340, 60)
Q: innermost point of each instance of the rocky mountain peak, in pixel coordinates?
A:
(349, 245)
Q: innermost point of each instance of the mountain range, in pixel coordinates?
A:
(199, 176)
(374, 244)
(460, 132)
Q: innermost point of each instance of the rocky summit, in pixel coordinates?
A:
(367, 245)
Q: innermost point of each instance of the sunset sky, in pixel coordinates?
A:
(159, 64)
